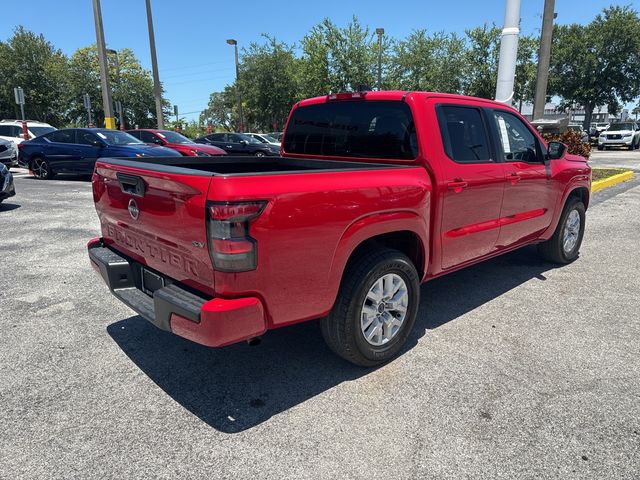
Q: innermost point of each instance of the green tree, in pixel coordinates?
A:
(428, 62)
(221, 110)
(481, 61)
(597, 64)
(130, 84)
(268, 84)
(29, 61)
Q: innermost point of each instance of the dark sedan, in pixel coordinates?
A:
(75, 150)
(239, 144)
(6, 183)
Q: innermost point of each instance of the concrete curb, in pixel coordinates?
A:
(611, 181)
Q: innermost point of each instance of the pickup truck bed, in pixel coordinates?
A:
(156, 219)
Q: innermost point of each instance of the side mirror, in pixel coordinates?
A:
(244, 142)
(555, 150)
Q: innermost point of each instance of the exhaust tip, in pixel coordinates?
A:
(255, 341)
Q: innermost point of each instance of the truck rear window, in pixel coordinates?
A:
(359, 129)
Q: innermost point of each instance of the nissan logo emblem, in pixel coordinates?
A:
(134, 211)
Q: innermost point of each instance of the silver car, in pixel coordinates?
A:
(8, 153)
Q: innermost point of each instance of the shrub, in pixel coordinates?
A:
(573, 141)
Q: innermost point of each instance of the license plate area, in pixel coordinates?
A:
(151, 281)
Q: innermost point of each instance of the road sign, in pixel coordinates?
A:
(19, 94)
(87, 101)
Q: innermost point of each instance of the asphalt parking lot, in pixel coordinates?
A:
(517, 369)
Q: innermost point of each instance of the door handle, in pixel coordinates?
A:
(457, 185)
(514, 178)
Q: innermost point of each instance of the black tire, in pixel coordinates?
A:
(341, 329)
(41, 169)
(600, 147)
(553, 249)
(259, 154)
(631, 147)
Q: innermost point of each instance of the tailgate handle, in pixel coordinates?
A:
(131, 184)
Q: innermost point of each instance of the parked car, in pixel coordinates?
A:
(7, 188)
(600, 126)
(12, 130)
(239, 144)
(265, 138)
(578, 128)
(362, 207)
(176, 141)
(8, 153)
(75, 150)
(620, 134)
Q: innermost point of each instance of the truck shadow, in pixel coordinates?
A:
(238, 387)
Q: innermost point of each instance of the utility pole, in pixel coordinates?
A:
(157, 89)
(175, 112)
(233, 42)
(544, 57)
(380, 32)
(109, 121)
(508, 52)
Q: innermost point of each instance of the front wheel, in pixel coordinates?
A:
(376, 308)
(41, 169)
(564, 246)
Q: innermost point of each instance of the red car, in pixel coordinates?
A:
(176, 141)
(375, 193)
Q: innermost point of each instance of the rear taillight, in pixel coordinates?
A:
(230, 246)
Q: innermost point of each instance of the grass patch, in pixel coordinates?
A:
(602, 173)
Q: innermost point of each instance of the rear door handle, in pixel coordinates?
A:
(514, 178)
(457, 185)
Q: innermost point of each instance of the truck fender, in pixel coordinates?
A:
(581, 181)
(371, 226)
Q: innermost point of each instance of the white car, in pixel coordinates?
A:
(264, 138)
(12, 130)
(621, 134)
(8, 153)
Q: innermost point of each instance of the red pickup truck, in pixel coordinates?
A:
(375, 192)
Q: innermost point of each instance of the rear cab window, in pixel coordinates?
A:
(377, 129)
(464, 134)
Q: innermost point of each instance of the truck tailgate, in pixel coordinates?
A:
(156, 219)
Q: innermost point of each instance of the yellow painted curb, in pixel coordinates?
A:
(611, 181)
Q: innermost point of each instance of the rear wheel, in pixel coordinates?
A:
(259, 154)
(41, 169)
(376, 308)
(564, 246)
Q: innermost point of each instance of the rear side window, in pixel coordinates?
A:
(464, 134)
(359, 129)
(62, 136)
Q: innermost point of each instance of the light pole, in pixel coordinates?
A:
(233, 42)
(508, 52)
(157, 89)
(109, 121)
(118, 103)
(544, 57)
(115, 53)
(380, 32)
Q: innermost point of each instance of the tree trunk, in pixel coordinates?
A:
(588, 113)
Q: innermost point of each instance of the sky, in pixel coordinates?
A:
(194, 58)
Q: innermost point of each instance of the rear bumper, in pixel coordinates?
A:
(212, 322)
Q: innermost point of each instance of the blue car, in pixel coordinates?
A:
(75, 150)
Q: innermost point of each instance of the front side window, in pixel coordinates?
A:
(62, 136)
(518, 143)
(148, 137)
(85, 138)
(115, 137)
(353, 128)
(464, 134)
